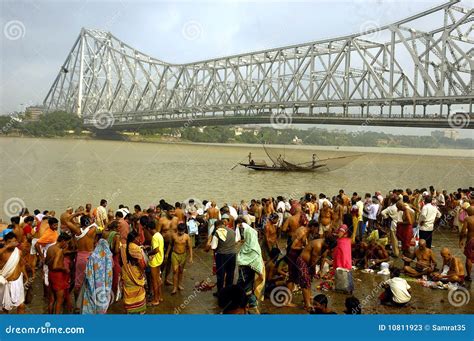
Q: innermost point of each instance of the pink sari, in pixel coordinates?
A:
(342, 254)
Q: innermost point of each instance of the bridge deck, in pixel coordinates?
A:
(440, 123)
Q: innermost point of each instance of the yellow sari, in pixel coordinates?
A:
(133, 278)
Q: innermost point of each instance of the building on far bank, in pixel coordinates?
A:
(33, 113)
(297, 140)
(452, 134)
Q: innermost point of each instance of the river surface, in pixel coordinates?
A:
(56, 173)
(53, 173)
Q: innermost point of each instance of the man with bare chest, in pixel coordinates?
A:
(326, 218)
(12, 275)
(58, 275)
(291, 224)
(181, 247)
(425, 261)
(314, 252)
(85, 240)
(165, 228)
(466, 240)
(300, 239)
(270, 248)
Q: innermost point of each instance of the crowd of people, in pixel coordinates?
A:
(89, 258)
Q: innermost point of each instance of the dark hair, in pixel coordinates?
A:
(113, 225)
(8, 236)
(52, 221)
(313, 223)
(428, 199)
(85, 221)
(151, 225)
(182, 227)
(15, 220)
(177, 205)
(29, 218)
(121, 206)
(137, 207)
(130, 238)
(218, 224)
(239, 220)
(321, 299)
(353, 306)
(331, 242)
(144, 220)
(36, 212)
(119, 214)
(45, 212)
(102, 201)
(395, 272)
(406, 199)
(273, 217)
(64, 237)
(231, 298)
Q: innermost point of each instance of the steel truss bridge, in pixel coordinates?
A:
(395, 75)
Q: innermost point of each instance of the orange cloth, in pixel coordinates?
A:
(49, 236)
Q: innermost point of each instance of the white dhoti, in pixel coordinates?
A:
(32, 249)
(12, 293)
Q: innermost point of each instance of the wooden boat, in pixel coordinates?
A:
(281, 165)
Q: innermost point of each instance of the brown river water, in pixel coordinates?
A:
(53, 174)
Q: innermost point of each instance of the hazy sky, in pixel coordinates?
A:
(175, 31)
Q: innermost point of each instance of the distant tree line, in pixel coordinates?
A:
(57, 124)
(50, 124)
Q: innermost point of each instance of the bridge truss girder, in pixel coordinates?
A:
(411, 69)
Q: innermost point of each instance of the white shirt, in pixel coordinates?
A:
(281, 207)
(360, 206)
(392, 212)
(373, 209)
(441, 200)
(233, 212)
(321, 201)
(399, 288)
(215, 239)
(427, 217)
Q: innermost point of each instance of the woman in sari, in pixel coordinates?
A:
(98, 280)
(133, 275)
(251, 267)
